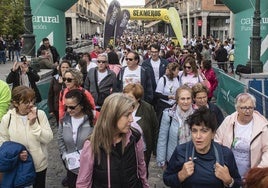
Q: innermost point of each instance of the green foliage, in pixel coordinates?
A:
(11, 17)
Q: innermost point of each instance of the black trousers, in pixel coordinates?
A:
(40, 180)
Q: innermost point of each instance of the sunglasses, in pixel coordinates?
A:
(129, 59)
(186, 67)
(124, 52)
(67, 79)
(71, 107)
(101, 61)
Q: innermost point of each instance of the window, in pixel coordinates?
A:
(218, 2)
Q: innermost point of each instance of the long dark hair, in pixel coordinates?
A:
(81, 98)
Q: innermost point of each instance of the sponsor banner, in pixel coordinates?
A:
(244, 13)
(110, 23)
(49, 21)
(175, 23)
(227, 91)
(148, 14)
(122, 21)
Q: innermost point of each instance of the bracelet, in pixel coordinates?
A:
(232, 183)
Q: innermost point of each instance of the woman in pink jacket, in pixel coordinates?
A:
(113, 154)
(246, 133)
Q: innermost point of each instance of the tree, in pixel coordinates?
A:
(11, 17)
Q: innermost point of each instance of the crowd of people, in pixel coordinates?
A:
(119, 106)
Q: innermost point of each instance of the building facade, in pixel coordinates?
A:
(86, 17)
(204, 18)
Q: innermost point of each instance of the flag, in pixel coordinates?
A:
(113, 12)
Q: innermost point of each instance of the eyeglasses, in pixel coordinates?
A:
(187, 67)
(29, 102)
(71, 107)
(245, 108)
(99, 61)
(154, 52)
(124, 52)
(201, 98)
(129, 59)
(67, 79)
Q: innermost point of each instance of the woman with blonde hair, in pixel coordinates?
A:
(113, 154)
(73, 79)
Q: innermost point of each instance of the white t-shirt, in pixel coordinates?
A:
(132, 76)
(76, 122)
(169, 89)
(91, 65)
(156, 65)
(241, 146)
(101, 76)
(190, 80)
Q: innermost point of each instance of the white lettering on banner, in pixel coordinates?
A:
(247, 23)
(40, 27)
(227, 96)
(46, 19)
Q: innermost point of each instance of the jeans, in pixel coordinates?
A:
(2, 56)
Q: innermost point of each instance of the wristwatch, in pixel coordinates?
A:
(232, 183)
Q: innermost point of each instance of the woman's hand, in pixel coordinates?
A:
(32, 115)
(23, 155)
(16, 65)
(187, 170)
(222, 172)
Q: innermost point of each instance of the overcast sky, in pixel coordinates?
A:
(129, 2)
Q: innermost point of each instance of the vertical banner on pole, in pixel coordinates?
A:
(176, 23)
(122, 21)
(111, 18)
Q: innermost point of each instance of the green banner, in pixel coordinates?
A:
(244, 12)
(227, 91)
(49, 21)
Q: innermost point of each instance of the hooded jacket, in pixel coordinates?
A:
(259, 137)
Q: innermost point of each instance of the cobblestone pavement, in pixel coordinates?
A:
(56, 172)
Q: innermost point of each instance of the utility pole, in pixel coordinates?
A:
(28, 48)
(255, 42)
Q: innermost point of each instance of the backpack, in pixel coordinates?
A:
(165, 81)
(243, 69)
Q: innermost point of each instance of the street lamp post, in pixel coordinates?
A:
(255, 42)
(28, 48)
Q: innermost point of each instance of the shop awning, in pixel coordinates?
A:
(152, 24)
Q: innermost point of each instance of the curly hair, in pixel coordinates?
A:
(77, 75)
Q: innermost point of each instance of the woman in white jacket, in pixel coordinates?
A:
(30, 127)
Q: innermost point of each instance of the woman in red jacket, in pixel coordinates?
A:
(210, 75)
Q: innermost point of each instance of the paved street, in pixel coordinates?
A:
(56, 171)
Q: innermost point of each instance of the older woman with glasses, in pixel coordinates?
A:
(73, 79)
(29, 126)
(246, 133)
